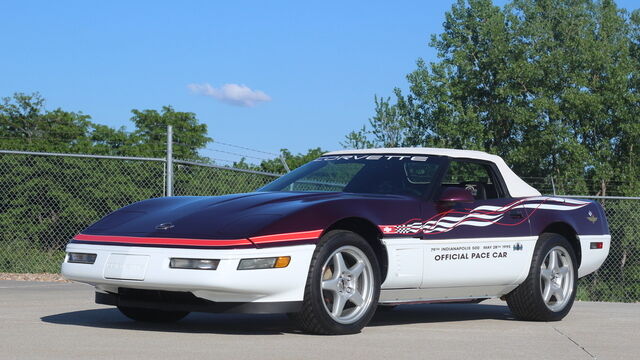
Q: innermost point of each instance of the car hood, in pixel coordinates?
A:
(237, 216)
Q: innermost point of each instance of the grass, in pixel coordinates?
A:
(20, 257)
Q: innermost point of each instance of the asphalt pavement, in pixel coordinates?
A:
(60, 321)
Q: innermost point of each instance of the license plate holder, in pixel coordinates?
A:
(126, 267)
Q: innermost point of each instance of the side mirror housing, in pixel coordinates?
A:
(456, 194)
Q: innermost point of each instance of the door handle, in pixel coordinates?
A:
(516, 214)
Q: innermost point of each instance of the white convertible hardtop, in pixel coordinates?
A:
(517, 187)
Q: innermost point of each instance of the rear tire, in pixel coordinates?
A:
(152, 315)
(343, 286)
(549, 291)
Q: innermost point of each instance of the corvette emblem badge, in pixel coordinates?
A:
(592, 218)
(165, 226)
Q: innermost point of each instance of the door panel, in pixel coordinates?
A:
(484, 242)
(481, 243)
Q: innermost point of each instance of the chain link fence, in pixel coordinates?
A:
(562, 186)
(619, 277)
(46, 199)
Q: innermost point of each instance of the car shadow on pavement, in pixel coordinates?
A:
(277, 324)
(440, 313)
(240, 324)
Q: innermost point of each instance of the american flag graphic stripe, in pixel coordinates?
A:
(481, 216)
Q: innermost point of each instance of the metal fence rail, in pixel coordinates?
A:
(45, 199)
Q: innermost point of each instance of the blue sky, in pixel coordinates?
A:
(317, 64)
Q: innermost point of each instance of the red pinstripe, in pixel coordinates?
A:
(266, 239)
(293, 236)
(161, 241)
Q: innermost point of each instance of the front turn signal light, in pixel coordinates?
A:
(282, 261)
(264, 263)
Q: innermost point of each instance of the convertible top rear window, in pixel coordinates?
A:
(363, 174)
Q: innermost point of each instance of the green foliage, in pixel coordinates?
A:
(551, 86)
(293, 161)
(47, 200)
(25, 124)
(20, 257)
(275, 165)
(44, 201)
(151, 132)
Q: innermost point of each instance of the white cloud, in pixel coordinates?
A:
(234, 94)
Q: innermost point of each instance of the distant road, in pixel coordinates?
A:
(60, 321)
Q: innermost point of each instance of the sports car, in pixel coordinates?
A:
(347, 234)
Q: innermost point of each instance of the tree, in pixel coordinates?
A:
(26, 125)
(551, 86)
(151, 133)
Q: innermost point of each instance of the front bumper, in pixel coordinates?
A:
(225, 284)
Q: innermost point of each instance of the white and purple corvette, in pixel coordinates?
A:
(343, 235)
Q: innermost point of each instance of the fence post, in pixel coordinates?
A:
(553, 186)
(169, 162)
(284, 163)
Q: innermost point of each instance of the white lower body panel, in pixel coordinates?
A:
(427, 270)
(432, 270)
(416, 263)
(148, 268)
(592, 259)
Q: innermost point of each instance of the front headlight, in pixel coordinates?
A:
(81, 258)
(195, 264)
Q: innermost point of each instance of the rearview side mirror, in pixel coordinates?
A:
(456, 194)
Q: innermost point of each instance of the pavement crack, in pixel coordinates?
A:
(575, 342)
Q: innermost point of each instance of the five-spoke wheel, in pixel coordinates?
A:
(343, 285)
(547, 294)
(556, 278)
(347, 284)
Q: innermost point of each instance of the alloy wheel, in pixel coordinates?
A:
(347, 284)
(556, 278)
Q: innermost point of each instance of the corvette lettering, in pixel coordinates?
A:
(372, 157)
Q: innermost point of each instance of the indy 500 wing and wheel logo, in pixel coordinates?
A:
(481, 216)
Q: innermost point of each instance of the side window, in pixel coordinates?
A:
(477, 178)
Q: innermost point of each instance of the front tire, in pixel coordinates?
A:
(549, 291)
(152, 315)
(343, 286)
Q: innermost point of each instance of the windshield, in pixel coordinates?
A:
(363, 174)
